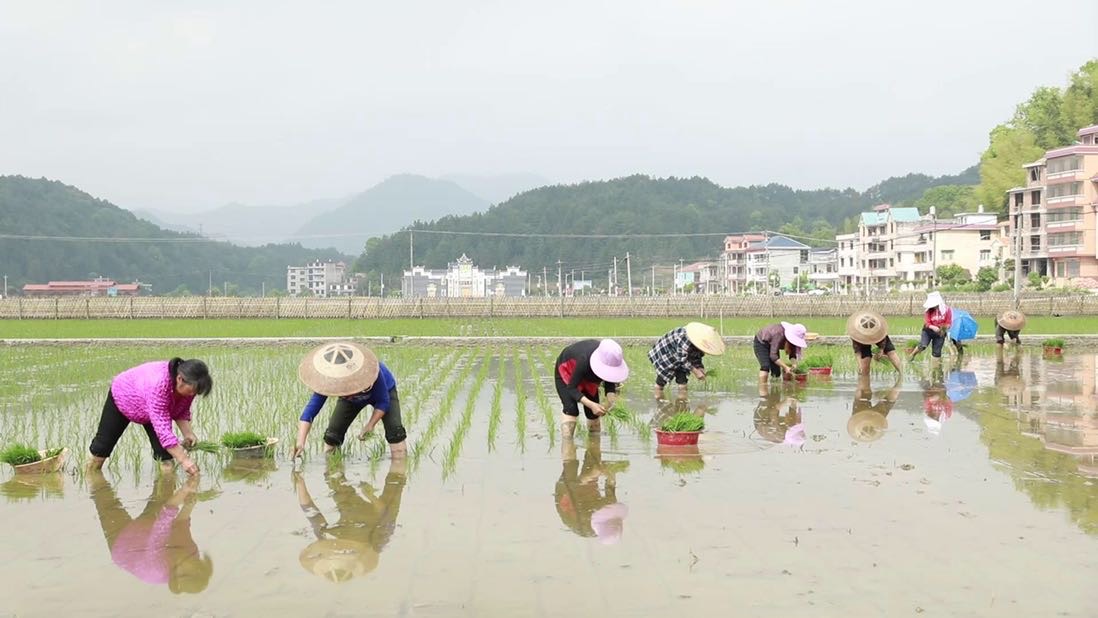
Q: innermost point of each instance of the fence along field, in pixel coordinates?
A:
(359, 307)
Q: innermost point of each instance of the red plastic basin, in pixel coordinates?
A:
(677, 438)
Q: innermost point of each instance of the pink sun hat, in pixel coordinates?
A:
(608, 362)
(797, 334)
(607, 522)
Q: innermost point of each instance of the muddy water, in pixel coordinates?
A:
(961, 492)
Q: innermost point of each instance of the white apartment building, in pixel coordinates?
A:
(320, 278)
(751, 259)
(823, 268)
(849, 262)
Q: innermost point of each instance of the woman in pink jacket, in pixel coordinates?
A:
(153, 395)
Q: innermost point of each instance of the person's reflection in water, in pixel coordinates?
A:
(350, 547)
(937, 406)
(775, 425)
(582, 506)
(156, 546)
(868, 420)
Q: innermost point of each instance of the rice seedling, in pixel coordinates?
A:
(453, 451)
(243, 439)
(1055, 342)
(54, 452)
(435, 423)
(19, 454)
(683, 421)
(817, 361)
(497, 399)
(206, 446)
(540, 397)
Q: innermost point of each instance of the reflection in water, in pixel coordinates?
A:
(156, 546)
(937, 408)
(869, 420)
(33, 486)
(582, 506)
(1047, 438)
(350, 547)
(777, 418)
(252, 470)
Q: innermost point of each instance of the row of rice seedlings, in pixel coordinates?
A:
(542, 366)
(457, 438)
(435, 423)
(540, 398)
(497, 399)
(426, 389)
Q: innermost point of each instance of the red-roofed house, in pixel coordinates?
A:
(98, 287)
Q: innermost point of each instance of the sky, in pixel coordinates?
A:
(184, 106)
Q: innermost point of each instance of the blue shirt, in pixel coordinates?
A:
(377, 396)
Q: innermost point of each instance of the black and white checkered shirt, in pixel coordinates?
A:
(674, 353)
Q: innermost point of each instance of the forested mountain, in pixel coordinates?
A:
(497, 188)
(386, 208)
(634, 205)
(166, 259)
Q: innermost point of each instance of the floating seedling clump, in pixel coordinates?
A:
(206, 446)
(242, 439)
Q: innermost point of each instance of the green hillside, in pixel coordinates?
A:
(165, 259)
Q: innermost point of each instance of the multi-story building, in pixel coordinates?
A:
(463, 279)
(1053, 216)
(734, 260)
(850, 274)
(750, 260)
(878, 233)
(320, 278)
(701, 277)
(969, 240)
(823, 268)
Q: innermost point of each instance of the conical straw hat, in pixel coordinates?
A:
(867, 327)
(338, 369)
(705, 338)
(1012, 320)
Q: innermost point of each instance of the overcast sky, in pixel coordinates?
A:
(188, 105)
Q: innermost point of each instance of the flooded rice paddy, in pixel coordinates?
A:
(965, 489)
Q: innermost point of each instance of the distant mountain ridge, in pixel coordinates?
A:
(396, 202)
(638, 205)
(166, 259)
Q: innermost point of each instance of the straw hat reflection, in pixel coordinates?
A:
(867, 426)
(339, 560)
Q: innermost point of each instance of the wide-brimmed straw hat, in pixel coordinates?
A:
(797, 334)
(608, 362)
(933, 299)
(867, 426)
(705, 338)
(339, 560)
(339, 368)
(866, 327)
(1012, 320)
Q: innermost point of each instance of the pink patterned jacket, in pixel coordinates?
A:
(146, 394)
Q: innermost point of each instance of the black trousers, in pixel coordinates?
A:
(347, 411)
(762, 354)
(111, 426)
(570, 406)
(932, 339)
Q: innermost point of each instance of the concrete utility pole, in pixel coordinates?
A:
(560, 284)
(210, 286)
(653, 279)
(263, 288)
(628, 273)
(411, 251)
(383, 285)
(615, 275)
(5, 286)
(545, 279)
